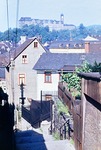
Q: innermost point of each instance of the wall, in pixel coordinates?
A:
(48, 88)
(30, 88)
(61, 50)
(91, 115)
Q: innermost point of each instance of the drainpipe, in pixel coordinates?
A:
(12, 80)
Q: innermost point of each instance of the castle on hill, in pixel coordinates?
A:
(52, 24)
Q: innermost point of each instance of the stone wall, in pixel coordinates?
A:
(91, 111)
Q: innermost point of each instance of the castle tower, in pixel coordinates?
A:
(62, 18)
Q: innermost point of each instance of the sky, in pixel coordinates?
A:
(75, 12)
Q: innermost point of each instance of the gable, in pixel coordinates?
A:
(28, 47)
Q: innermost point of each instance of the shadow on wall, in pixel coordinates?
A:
(6, 123)
(37, 112)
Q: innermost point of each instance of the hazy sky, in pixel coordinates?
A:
(75, 12)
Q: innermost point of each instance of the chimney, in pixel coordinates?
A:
(23, 39)
(87, 47)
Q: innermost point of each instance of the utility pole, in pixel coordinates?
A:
(12, 93)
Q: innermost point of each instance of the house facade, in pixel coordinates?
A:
(47, 84)
(20, 70)
(50, 67)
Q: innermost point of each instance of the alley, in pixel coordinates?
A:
(39, 139)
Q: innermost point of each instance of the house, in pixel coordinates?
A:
(20, 70)
(6, 46)
(66, 46)
(89, 44)
(39, 70)
(2, 79)
(2, 73)
(50, 66)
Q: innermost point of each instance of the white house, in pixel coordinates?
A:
(49, 69)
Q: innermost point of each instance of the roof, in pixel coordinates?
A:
(94, 76)
(16, 52)
(3, 59)
(25, 19)
(69, 68)
(2, 72)
(89, 39)
(66, 44)
(56, 61)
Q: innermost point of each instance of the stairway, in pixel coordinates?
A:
(39, 139)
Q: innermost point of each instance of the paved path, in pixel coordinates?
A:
(39, 139)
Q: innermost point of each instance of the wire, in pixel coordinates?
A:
(16, 32)
(17, 14)
(16, 28)
(7, 18)
(8, 25)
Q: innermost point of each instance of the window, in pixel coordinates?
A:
(21, 79)
(48, 77)
(48, 97)
(35, 44)
(60, 77)
(24, 59)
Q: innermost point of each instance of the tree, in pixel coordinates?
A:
(35, 30)
(81, 31)
(74, 81)
(96, 67)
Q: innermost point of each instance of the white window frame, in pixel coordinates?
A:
(24, 59)
(21, 79)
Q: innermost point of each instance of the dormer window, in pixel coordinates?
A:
(24, 59)
(35, 44)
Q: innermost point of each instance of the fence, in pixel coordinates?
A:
(65, 95)
(74, 109)
(37, 112)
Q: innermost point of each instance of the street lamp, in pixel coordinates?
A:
(22, 93)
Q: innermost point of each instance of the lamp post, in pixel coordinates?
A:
(22, 93)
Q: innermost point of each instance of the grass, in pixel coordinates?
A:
(62, 108)
(56, 136)
(41, 130)
(72, 141)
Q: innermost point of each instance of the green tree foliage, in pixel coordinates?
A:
(35, 30)
(81, 32)
(74, 81)
(96, 67)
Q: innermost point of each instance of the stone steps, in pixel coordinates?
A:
(30, 140)
(39, 139)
